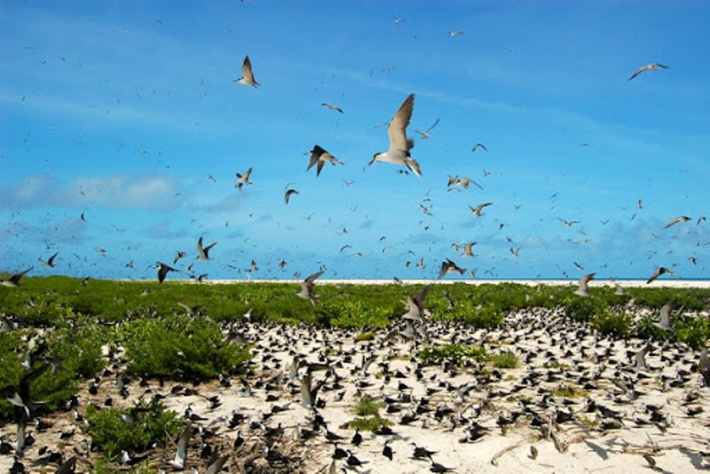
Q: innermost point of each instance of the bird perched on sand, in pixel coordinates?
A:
(14, 279)
(677, 220)
(398, 152)
(307, 288)
(583, 289)
(647, 67)
(243, 179)
(203, 253)
(658, 272)
(163, 270)
(321, 156)
(247, 75)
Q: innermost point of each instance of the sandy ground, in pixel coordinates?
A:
(581, 402)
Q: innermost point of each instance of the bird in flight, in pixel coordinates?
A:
(163, 270)
(448, 266)
(677, 220)
(307, 288)
(567, 223)
(647, 67)
(426, 133)
(455, 33)
(478, 210)
(50, 261)
(243, 179)
(658, 272)
(332, 107)
(479, 145)
(247, 75)
(14, 279)
(583, 288)
(203, 253)
(289, 192)
(320, 156)
(400, 145)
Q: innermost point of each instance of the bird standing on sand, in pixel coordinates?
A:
(247, 75)
(647, 67)
(400, 145)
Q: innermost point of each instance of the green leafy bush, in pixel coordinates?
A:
(615, 323)
(456, 353)
(134, 429)
(182, 346)
(505, 360)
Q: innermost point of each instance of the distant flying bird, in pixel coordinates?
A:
(50, 261)
(583, 289)
(400, 145)
(464, 182)
(479, 145)
(243, 179)
(14, 279)
(468, 249)
(677, 220)
(425, 133)
(203, 253)
(163, 270)
(332, 107)
(478, 210)
(288, 194)
(448, 266)
(307, 288)
(658, 272)
(247, 75)
(178, 255)
(320, 156)
(648, 67)
(567, 223)
(455, 33)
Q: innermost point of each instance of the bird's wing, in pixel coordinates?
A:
(246, 70)
(639, 71)
(397, 129)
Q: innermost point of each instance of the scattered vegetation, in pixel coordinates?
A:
(505, 360)
(367, 406)
(455, 353)
(370, 423)
(134, 429)
(569, 391)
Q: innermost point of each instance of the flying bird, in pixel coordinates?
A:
(288, 194)
(455, 33)
(321, 156)
(163, 270)
(677, 220)
(50, 261)
(448, 266)
(583, 289)
(247, 75)
(243, 179)
(658, 272)
(307, 288)
(178, 462)
(203, 253)
(479, 145)
(647, 67)
(332, 107)
(426, 133)
(478, 210)
(14, 279)
(400, 145)
(567, 223)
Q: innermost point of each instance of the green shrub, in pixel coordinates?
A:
(133, 429)
(584, 309)
(505, 360)
(371, 423)
(367, 406)
(614, 323)
(182, 346)
(456, 353)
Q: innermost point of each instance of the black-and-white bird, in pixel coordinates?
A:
(478, 210)
(307, 288)
(448, 266)
(398, 152)
(647, 67)
(658, 272)
(332, 107)
(479, 145)
(50, 261)
(287, 195)
(426, 133)
(247, 75)
(203, 253)
(320, 156)
(677, 220)
(583, 284)
(243, 179)
(14, 279)
(163, 270)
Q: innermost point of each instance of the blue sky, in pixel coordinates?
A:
(128, 113)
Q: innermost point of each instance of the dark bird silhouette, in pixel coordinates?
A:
(163, 270)
(320, 156)
(203, 253)
(14, 279)
(658, 272)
